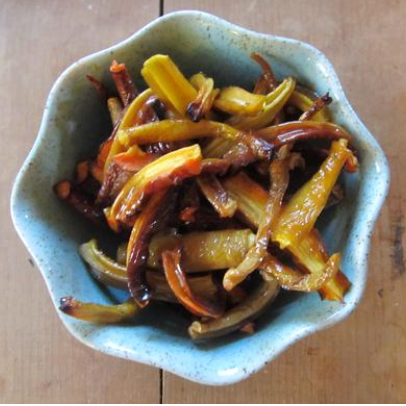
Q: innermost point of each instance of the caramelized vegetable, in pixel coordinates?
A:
(100, 314)
(317, 105)
(125, 86)
(80, 203)
(304, 103)
(137, 250)
(310, 253)
(279, 173)
(185, 169)
(201, 105)
(250, 196)
(291, 279)
(267, 76)
(112, 273)
(132, 160)
(116, 109)
(272, 105)
(204, 251)
(168, 83)
(293, 131)
(236, 100)
(180, 130)
(176, 277)
(300, 214)
(167, 170)
(215, 166)
(213, 190)
(238, 316)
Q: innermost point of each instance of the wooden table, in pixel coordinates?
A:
(361, 360)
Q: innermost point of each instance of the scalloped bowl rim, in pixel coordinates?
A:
(370, 219)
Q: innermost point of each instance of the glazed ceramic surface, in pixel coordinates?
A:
(75, 122)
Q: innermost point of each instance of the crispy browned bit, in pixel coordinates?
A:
(267, 75)
(65, 192)
(114, 180)
(318, 104)
(190, 203)
(63, 189)
(82, 171)
(146, 114)
(125, 86)
(99, 87)
(248, 328)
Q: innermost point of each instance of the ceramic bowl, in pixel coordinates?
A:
(73, 125)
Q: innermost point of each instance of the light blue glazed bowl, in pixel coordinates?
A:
(75, 122)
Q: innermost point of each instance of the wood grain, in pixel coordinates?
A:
(364, 358)
(39, 360)
(361, 360)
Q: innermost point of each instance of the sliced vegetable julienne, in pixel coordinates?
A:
(112, 273)
(202, 104)
(279, 174)
(167, 170)
(272, 105)
(125, 86)
(100, 314)
(301, 212)
(168, 83)
(215, 193)
(238, 316)
(180, 130)
(304, 102)
(310, 253)
(116, 109)
(236, 100)
(137, 250)
(177, 280)
(203, 250)
(292, 279)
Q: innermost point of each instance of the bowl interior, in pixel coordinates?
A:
(74, 124)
